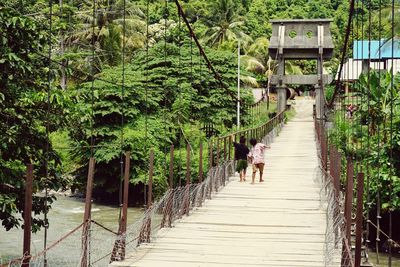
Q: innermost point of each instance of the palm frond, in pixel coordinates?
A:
(252, 64)
(249, 81)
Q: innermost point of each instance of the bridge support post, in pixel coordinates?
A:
(201, 162)
(319, 102)
(150, 186)
(281, 91)
(217, 163)
(211, 154)
(224, 164)
(334, 169)
(225, 149)
(186, 199)
(28, 215)
(324, 146)
(359, 218)
(145, 231)
(210, 166)
(118, 252)
(349, 196)
(87, 215)
(167, 216)
(199, 197)
(171, 167)
(347, 209)
(218, 152)
(229, 148)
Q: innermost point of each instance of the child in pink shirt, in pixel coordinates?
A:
(257, 158)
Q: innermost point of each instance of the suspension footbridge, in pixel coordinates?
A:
(279, 222)
(309, 211)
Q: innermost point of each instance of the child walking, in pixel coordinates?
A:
(241, 151)
(257, 157)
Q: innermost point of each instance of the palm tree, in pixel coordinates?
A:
(257, 60)
(108, 35)
(224, 24)
(259, 49)
(387, 15)
(384, 18)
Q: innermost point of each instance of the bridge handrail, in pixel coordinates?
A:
(279, 117)
(336, 222)
(226, 140)
(179, 201)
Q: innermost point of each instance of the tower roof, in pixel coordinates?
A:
(299, 38)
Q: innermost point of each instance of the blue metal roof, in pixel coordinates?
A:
(361, 49)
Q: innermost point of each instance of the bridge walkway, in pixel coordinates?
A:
(275, 223)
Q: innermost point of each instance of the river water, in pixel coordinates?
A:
(65, 215)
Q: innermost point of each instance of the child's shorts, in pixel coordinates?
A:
(259, 166)
(241, 165)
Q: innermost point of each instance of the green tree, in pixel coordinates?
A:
(165, 101)
(24, 117)
(258, 17)
(368, 135)
(224, 24)
(108, 34)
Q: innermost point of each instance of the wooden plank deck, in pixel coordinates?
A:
(276, 223)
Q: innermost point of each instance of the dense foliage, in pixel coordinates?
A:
(23, 117)
(371, 136)
(162, 102)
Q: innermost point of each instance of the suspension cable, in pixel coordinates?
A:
(146, 117)
(353, 143)
(92, 121)
(165, 91)
(361, 91)
(378, 182)
(180, 97)
(217, 76)
(391, 141)
(122, 112)
(369, 131)
(47, 152)
(344, 52)
(93, 80)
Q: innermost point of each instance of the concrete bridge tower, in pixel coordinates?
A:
(301, 39)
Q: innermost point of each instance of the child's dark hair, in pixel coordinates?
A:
(253, 141)
(242, 140)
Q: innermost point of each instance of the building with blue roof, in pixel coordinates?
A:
(380, 53)
(376, 50)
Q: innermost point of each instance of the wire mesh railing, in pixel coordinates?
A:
(337, 246)
(93, 244)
